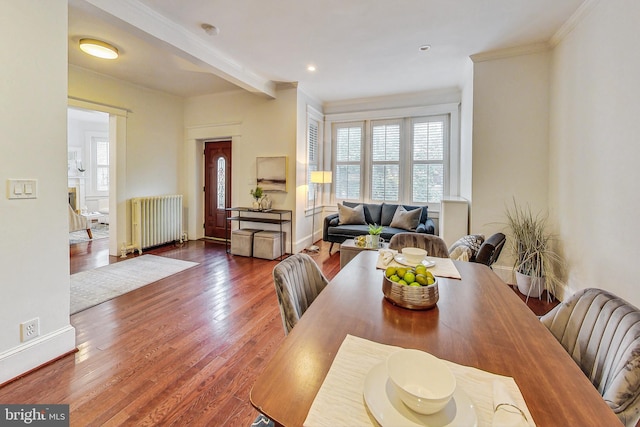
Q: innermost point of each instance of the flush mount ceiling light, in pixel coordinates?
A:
(425, 47)
(311, 68)
(98, 48)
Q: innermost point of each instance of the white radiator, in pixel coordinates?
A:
(155, 221)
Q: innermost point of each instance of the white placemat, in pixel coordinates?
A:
(340, 401)
(444, 266)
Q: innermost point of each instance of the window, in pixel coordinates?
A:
(428, 160)
(385, 161)
(221, 203)
(100, 165)
(348, 154)
(403, 160)
(313, 158)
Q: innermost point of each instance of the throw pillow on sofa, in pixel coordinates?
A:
(347, 215)
(406, 220)
(472, 242)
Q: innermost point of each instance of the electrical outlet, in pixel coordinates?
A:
(29, 329)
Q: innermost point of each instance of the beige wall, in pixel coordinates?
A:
(34, 256)
(258, 127)
(510, 141)
(152, 151)
(594, 171)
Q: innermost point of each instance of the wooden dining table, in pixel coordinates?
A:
(478, 322)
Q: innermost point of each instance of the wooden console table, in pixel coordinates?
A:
(280, 217)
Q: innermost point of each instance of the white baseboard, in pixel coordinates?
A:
(37, 352)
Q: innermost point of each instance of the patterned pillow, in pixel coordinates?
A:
(460, 253)
(406, 220)
(349, 215)
(472, 242)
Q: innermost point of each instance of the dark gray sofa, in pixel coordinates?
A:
(380, 214)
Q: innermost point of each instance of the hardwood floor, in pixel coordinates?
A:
(182, 351)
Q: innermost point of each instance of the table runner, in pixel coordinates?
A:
(444, 266)
(340, 399)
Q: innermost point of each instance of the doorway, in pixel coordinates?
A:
(217, 188)
(88, 170)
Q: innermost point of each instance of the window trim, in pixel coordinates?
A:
(449, 109)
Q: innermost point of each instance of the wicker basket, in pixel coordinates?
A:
(411, 297)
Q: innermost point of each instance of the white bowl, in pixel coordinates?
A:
(424, 383)
(414, 255)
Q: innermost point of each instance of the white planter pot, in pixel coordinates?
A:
(530, 286)
(372, 241)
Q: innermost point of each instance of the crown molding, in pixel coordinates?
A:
(510, 52)
(580, 14)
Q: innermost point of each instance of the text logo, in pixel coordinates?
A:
(34, 415)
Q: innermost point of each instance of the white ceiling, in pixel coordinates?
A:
(361, 48)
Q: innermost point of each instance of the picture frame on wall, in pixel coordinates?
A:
(271, 173)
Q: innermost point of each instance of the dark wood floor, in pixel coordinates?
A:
(182, 351)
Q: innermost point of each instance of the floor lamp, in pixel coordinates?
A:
(317, 178)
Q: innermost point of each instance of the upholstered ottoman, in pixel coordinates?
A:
(267, 244)
(242, 241)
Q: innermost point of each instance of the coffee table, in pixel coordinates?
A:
(92, 217)
(349, 250)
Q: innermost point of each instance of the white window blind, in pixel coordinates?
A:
(348, 161)
(428, 159)
(385, 161)
(313, 158)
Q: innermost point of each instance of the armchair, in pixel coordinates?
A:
(78, 222)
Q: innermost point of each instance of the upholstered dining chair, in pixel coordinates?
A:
(490, 249)
(601, 332)
(298, 281)
(434, 245)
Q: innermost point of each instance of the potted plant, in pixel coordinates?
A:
(373, 239)
(257, 195)
(535, 260)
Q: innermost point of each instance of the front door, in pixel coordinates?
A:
(217, 187)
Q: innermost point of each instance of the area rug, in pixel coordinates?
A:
(99, 231)
(92, 287)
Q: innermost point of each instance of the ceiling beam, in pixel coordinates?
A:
(163, 29)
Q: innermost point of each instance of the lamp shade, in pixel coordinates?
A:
(98, 48)
(321, 177)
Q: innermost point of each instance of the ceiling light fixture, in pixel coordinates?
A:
(212, 30)
(425, 47)
(311, 68)
(98, 48)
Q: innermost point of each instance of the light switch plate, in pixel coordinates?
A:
(22, 189)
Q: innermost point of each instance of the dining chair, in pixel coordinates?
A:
(262, 421)
(490, 249)
(434, 245)
(298, 281)
(601, 332)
